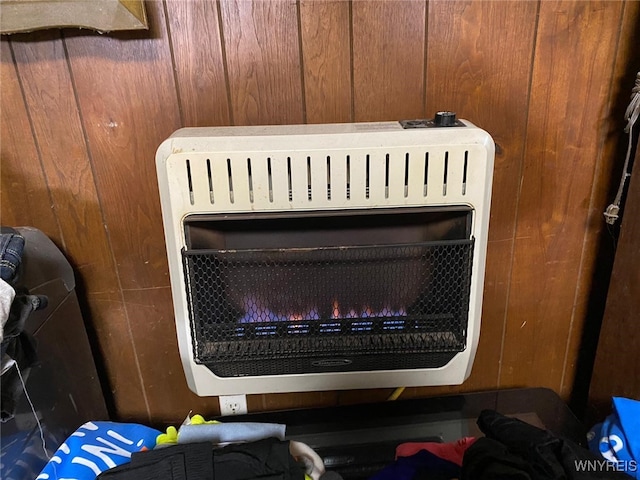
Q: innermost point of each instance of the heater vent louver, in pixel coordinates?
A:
(323, 179)
(276, 211)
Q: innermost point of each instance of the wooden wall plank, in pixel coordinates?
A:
(25, 199)
(479, 65)
(263, 61)
(108, 312)
(170, 399)
(326, 49)
(573, 60)
(599, 250)
(43, 68)
(199, 63)
(127, 97)
(388, 59)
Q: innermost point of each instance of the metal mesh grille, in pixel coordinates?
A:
(284, 311)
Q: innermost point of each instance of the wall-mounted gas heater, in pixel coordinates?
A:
(324, 257)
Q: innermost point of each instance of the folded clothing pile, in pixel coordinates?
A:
(265, 459)
(510, 450)
(513, 449)
(432, 460)
(18, 350)
(198, 450)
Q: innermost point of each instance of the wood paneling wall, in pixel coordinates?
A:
(83, 113)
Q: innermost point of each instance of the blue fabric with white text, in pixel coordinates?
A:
(96, 447)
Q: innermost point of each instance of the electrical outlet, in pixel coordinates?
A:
(233, 404)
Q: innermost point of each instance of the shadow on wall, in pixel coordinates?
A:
(595, 409)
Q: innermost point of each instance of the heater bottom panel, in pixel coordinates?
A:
(369, 352)
(331, 364)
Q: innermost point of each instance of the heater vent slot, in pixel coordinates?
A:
(367, 178)
(386, 176)
(211, 197)
(290, 189)
(406, 175)
(446, 174)
(269, 174)
(309, 182)
(348, 165)
(250, 180)
(230, 178)
(426, 174)
(190, 183)
(464, 172)
(328, 178)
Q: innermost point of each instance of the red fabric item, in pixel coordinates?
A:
(453, 451)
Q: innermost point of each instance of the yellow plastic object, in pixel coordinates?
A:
(170, 437)
(199, 420)
(396, 393)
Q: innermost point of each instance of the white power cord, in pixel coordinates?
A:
(631, 115)
(33, 410)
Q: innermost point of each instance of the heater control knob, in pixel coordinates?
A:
(445, 119)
